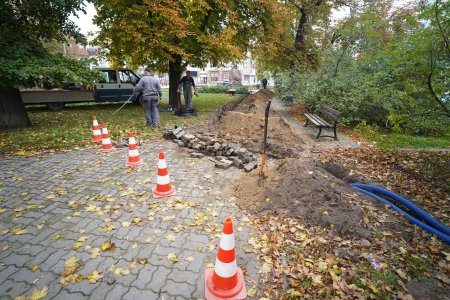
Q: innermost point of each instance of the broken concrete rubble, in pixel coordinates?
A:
(225, 152)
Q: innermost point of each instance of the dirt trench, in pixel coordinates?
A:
(297, 184)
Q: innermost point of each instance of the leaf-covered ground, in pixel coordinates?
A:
(71, 127)
(307, 262)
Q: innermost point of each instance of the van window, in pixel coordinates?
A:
(109, 76)
(126, 76)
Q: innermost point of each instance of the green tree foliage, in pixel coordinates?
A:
(26, 25)
(168, 35)
(388, 66)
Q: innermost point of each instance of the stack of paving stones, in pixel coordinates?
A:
(225, 153)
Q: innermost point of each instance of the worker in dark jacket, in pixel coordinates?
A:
(264, 82)
(151, 94)
(187, 83)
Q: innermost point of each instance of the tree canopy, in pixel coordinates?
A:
(26, 25)
(171, 34)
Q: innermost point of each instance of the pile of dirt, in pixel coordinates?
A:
(302, 188)
(243, 122)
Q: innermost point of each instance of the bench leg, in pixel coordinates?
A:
(320, 131)
(335, 134)
(307, 122)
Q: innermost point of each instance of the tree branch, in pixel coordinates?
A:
(430, 84)
(446, 41)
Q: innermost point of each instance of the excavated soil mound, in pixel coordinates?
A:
(251, 127)
(243, 121)
(305, 189)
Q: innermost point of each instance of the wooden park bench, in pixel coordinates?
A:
(326, 112)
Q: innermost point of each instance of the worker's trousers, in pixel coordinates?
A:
(151, 111)
(187, 89)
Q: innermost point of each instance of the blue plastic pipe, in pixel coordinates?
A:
(429, 224)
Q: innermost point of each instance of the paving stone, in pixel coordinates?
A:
(197, 155)
(65, 295)
(159, 279)
(135, 294)
(14, 289)
(118, 291)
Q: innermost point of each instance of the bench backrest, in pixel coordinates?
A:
(331, 113)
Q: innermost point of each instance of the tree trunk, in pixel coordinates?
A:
(12, 110)
(175, 70)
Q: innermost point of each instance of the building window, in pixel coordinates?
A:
(225, 76)
(214, 78)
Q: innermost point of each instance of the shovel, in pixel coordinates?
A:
(263, 160)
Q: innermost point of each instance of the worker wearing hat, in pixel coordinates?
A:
(151, 94)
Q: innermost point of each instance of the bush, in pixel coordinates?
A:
(223, 89)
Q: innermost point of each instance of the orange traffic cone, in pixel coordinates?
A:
(106, 141)
(163, 187)
(226, 280)
(133, 155)
(96, 133)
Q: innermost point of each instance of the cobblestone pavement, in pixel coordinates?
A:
(56, 206)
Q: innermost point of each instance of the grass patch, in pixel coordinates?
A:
(398, 140)
(71, 128)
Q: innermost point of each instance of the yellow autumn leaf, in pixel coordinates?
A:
(72, 262)
(189, 258)
(108, 246)
(2, 209)
(210, 265)
(143, 261)
(4, 232)
(126, 224)
(19, 230)
(121, 271)
(35, 268)
(325, 212)
(73, 278)
(77, 245)
(134, 245)
(83, 238)
(137, 220)
(95, 252)
(36, 295)
(94, 276)
(173, 257)
(55, 237)
(170, 237)
(373, 288)
(168, 218)
(317, 279)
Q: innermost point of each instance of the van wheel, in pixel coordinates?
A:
(55, 105)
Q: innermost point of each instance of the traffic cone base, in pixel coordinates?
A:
(108, 149)
(239, 292)
(137, 163)
(158, 194)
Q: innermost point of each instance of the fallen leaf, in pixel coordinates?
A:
(77, 245)
(36, 295)
(143, 261)
(126, 224)
(94, 276)
(19, 230)
(108, 245)
(35, 268)
(170, 237)
(95, 252)
(73, 278)
(173, 257)
(189, 258)
(137, 220)
(121, 271)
